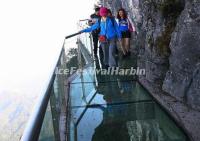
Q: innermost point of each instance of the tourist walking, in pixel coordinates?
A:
(109, 32)
(95, 33)
(125, 28)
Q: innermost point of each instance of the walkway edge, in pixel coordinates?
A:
(176, 110)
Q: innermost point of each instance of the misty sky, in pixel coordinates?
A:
(31, 36)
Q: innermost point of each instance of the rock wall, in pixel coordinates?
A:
(168, 41)
(183, 77)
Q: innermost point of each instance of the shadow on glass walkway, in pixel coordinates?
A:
(94, 106)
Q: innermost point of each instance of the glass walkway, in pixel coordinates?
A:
(116, 108)
(93, 106)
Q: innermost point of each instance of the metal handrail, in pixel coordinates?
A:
(34, 125)
(72, 35)
(32, 130)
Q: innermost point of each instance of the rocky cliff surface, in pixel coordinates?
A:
(168, 47)
(182, 80)
(168, 41)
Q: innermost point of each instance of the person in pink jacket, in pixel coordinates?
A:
(125, 28)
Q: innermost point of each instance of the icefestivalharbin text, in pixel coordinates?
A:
(109, 71)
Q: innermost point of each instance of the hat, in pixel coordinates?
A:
(103, 11)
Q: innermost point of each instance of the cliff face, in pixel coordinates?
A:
(183, 77)
(168, 43)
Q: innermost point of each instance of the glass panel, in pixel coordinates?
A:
(55, 110)
(124, 112)
(83, 88)
(50, 127)
(120, 92)
(85, 39)
(47, 131)
(86, 76)
(127, 122)
(81, 93)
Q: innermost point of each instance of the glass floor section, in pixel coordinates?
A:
(116, 108)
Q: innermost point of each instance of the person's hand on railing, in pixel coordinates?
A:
(81, 31)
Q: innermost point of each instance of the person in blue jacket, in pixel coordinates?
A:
(109, 32)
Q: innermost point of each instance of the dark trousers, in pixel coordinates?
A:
(95, 43)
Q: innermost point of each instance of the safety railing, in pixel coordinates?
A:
(44, 123)
(85, 38)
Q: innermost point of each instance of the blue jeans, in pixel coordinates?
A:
(109, 51)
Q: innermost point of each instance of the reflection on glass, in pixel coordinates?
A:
(47, 131)
(120, 111)
(138, 122)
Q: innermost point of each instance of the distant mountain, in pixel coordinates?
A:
(15, 109)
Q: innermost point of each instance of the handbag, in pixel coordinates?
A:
(102, 38)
